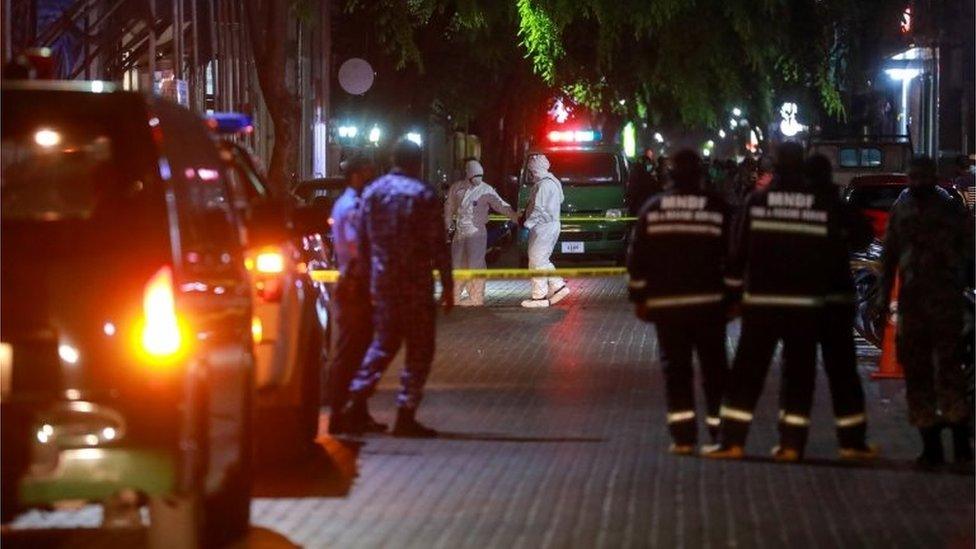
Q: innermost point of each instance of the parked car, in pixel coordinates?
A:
(290, 326)
(594, 179)
(321, 192)
(127, 359)
(874, 195)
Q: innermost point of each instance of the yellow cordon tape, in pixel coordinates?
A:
(328, 276)
(574, 219)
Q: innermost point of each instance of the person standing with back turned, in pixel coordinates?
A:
(686, 229)
(929, 245)
(782, 238)
(836, 326)
(402, 234)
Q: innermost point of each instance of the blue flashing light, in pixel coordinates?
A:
(229, 123)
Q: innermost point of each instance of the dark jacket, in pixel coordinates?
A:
(402, 234)
(929, 241)
(677, 255)
(642, 185)
(854, 233)
(782, 246)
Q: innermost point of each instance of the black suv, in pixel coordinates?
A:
(127, 357)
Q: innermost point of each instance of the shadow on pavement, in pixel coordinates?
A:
(493, 437)
(329, 471)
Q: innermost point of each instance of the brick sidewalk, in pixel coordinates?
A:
(556, 438)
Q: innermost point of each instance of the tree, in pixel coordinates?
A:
(267, 22)
(671, 62)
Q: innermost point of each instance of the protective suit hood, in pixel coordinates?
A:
(473, 171)
(538, 167)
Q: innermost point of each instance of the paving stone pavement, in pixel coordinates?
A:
(555, 437)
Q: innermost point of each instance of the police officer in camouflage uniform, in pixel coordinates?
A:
(403, 235)
(929, 245)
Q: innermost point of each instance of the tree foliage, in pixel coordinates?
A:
(681, 62)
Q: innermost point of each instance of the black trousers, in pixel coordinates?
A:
(677, 340)
(840, 364)
(762, 329)
(354, 322)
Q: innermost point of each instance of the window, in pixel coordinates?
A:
(876, 197)
(848, 158)
(584, 168)
(859, 157)
(871, 157)
(79, 157)
(207, 221)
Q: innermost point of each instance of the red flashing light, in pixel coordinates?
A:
(577, 136)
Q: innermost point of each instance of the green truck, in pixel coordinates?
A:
(594, 222)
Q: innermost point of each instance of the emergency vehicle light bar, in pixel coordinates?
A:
(570, 136)
(228, 123)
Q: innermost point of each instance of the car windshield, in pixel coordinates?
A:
(584, 167)
(875, 197)
(68, 158)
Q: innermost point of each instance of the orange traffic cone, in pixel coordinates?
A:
(888, 366)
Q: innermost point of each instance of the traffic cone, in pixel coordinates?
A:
(888, 366)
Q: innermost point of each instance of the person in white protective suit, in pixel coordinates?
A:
(542, 221)
(468, 203)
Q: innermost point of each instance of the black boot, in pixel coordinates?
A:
(408, 426)
(355, 417)
(373, 426)
(932, 455)
(962, 451)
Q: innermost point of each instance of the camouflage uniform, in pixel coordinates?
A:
(928, 242)
(402, 232)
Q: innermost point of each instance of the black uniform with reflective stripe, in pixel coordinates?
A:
(676, 257)
(797, 222)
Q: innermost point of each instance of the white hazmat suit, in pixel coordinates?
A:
(542, 220)
(468, 203)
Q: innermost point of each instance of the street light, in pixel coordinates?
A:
(721, 133)
(905, 76)
(374, 135)
(658, 137)
(737, 111)
(415, 137)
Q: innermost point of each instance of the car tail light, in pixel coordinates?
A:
(257, 329)
(161, 338)
(266, 265)
(270, 262)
